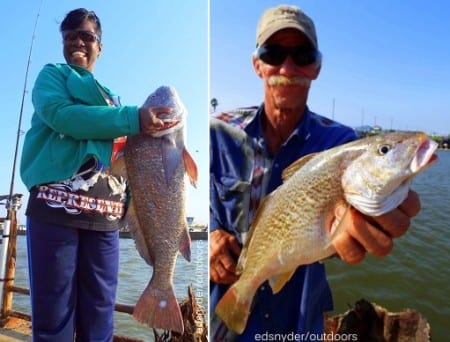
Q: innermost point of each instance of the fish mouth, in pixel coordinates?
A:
(170, 126)
(424, 156)
(169, 123)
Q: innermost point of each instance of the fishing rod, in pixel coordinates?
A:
(14, 203)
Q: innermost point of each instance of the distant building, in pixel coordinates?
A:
(364, 131)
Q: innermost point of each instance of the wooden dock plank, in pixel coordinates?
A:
(15, 330)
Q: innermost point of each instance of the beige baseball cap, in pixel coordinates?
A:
(281, 17)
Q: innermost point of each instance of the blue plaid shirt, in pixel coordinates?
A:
(242, 172)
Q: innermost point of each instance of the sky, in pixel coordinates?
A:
(384, 62)
(148, 44)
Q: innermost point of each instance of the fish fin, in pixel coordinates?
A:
(119, 168)
(243, 256)
(191, 167)
(295, 166)
(171, 157)
(241, 261)
(185, 244)
(339, 227)
(132, 222)
(278, 281)
(240, 265)
(159, 309)
(233, 310)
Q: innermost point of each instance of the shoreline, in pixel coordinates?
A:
(195, 234)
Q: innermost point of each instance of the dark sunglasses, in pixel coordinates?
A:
(85, 36)
(275, 54)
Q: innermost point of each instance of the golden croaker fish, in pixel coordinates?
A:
(291, 225)
(155, 168)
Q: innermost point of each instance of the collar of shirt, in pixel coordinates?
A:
(289, 151)
(300, 133)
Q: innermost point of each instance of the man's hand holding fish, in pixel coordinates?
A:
(374, 235)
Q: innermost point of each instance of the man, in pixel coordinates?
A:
(250, 147)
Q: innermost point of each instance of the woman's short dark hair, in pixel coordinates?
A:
(77, 16)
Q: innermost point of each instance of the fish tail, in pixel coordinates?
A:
(234, 309)
(159, 309)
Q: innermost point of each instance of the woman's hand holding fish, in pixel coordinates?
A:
(224, 250)
(149, 120)
(375, 235)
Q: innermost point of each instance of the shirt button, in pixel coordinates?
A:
(276, 165)
(263, 288)
(266, 315)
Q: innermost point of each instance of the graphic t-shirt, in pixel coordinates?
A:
(91, 199)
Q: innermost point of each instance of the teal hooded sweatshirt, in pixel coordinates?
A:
(71, 123)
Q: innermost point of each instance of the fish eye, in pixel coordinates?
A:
(383, 149)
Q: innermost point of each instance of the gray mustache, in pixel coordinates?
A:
(280, 80)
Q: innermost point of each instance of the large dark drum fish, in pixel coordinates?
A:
(156, 167)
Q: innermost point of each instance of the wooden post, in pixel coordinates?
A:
(10, 268)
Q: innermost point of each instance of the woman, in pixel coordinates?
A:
(75, 204)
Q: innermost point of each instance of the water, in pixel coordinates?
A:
(134, 275)
(417, 273)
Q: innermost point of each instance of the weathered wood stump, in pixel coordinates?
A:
(373, 323)
(194, 320)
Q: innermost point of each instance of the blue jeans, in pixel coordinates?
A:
(73, 282)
